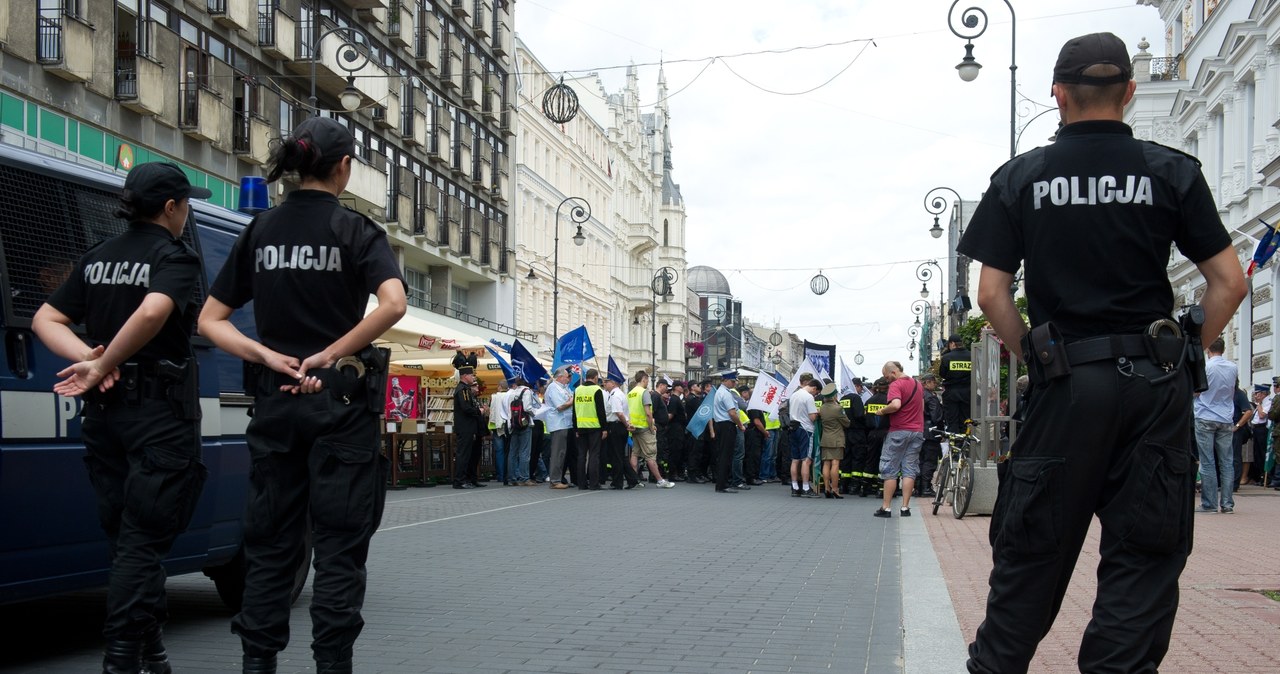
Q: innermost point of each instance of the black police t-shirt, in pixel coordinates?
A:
(112, 279)
(1093, 218)
(309, 265)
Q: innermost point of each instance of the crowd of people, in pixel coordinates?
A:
(872, 439)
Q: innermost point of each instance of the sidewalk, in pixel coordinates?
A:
(1222, 625)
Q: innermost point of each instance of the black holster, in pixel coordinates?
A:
(181, 383)
(1191, 321)
(1045, 353)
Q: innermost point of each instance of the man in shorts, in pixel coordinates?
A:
(901, 452)
(803, 412)
(640, 422)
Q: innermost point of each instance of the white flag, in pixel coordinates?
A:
(767, 395)
(846, 380)
(806, 366)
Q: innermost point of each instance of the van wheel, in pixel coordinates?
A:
(228, 578)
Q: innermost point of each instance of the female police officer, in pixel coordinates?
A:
(141, 429)
(309, 265)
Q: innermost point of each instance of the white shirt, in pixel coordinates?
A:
(615, 403)
(499, 408)
(802, 405)
(1260, 414)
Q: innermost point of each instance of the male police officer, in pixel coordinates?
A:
(955, 368)
(1108, 420)
(141, 428)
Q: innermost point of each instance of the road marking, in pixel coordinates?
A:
(428, 498)
(481, 512)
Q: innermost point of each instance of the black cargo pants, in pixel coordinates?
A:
(1096, 441)
(145, 468)
(312, 454)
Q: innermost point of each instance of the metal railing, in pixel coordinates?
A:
(1166, 68)
(49, 39)
(127, 76)
(218, 7)
(267, 23)
(240, 131)
(189, 103)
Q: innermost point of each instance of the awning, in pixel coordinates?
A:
(424, 338)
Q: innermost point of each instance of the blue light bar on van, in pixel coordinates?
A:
(253, 195)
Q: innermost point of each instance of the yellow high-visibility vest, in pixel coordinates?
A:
(771, 422)
(635, 404)
(584, 406)
(742, 416)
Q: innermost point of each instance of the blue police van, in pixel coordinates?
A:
(51, 212)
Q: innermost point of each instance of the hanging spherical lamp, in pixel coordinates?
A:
(819, 284)
(560, 103)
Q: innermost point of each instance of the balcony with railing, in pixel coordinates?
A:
(277, 34)
(140, 84)
(479, 20)
(1166, 69)
(400, 27)
(234, 14)
(64, 45)
(198, 109)
(250, 137)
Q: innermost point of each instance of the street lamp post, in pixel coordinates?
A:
(662, 284)
(923, 274)
(935, 205)
(922, 307)
(579, 213)
(973, 23)
(349, 54)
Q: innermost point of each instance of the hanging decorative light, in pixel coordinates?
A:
(560, 103)
(819, 284)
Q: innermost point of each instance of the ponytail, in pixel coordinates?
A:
(299, 155)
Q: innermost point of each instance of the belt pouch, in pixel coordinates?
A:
(131, 384)
(1049, 353)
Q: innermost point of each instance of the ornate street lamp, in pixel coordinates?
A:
(579, 213)
(972, 24)
(663, 284)
(351, 57)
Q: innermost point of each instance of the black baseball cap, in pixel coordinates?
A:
(329, 136)
(1081, 53)
(155, 182)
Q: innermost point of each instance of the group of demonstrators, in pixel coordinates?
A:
(591, 430)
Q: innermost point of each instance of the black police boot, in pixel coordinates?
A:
(121, 656)
(264, 664)
(333, 667)
(154, 658)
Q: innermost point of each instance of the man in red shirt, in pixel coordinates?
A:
(901, 453)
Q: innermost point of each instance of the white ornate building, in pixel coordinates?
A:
(1216, 95)
(618, 160)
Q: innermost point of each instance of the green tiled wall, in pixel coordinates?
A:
(93, 143)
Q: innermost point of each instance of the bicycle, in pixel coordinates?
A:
(954, 477)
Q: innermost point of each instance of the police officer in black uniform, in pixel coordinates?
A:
(136, 296)
(1108, 427)
(676, 422)
(309, 266)
(955, 368)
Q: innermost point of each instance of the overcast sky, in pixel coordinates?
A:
(778, 187)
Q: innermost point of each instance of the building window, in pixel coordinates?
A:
(666, 329)
(458, 301)
(666, 232)
(419, 287)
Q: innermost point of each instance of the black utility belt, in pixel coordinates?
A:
(175, 383)
(1164, 343)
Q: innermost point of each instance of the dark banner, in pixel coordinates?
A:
(823, 356)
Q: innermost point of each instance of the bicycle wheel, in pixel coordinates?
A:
(964, 488)
(940, 489)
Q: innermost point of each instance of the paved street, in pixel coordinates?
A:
(526, 579)
(1223, 624)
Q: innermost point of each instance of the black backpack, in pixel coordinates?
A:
(519, 417)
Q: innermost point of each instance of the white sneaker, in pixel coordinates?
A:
(666, 484)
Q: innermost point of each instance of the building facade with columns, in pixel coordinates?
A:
(618, 160)
(1216, 95)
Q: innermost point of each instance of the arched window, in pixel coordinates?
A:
(666, 232)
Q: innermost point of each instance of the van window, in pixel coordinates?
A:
(48, 224)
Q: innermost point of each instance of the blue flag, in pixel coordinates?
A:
(574, 347)
(507, 372)
(698, 424)
(525, 365)
(1266, 248)
(615, 372)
